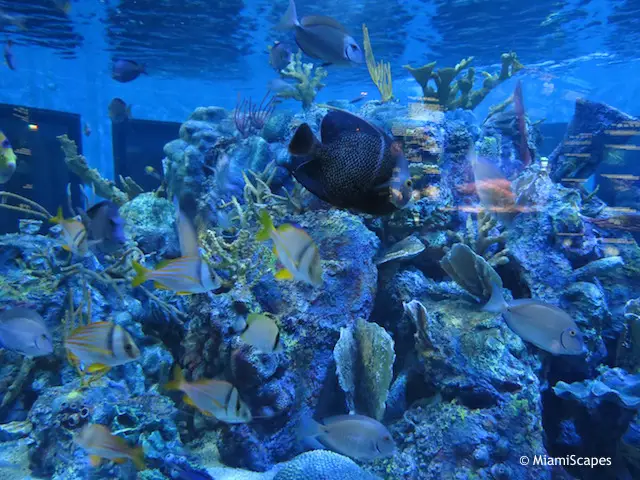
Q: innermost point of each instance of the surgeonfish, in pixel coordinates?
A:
(215, 398)
(7, 159)
(355, 166)
(74, 234)
(105, 225)
(24, 331)
(322, 37)
(262, 333)
(357, 436)
(119, 111)
(102, 345)
(279, 56)
(126, 70)
(295, 249)
(8, 55)
(544, 325)
(100, 443)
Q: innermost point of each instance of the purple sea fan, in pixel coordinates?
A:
(250, 117)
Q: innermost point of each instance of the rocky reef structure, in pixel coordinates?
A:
(396, 331)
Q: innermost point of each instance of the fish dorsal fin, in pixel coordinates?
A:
(338, 122)
(163, 263)
(315, 20)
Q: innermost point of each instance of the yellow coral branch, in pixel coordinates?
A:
(380, 72)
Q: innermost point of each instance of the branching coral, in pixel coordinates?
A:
(28, 206)
(459, 94)
(16, 386)
(103, 187)
(380, 72)
(479, 238)
(309, 81)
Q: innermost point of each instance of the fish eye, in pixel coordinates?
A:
(572, 333)
(128, 348)
(6, 144)
(408, 183)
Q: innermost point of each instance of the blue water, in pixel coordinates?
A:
(470, 400)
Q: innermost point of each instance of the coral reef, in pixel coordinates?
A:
(90, 176)
(380, 73)
(451, 95)
(364, 359)
(308, 81)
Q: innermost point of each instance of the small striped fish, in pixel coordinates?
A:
(295, 249)
(74, 234)
(101, 345)
(100, 443)
(215, 398)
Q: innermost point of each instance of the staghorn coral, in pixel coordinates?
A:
(103, 187)
(309, 81)
(478, 237)
(380, 72)
(364, 359)
(451, 95)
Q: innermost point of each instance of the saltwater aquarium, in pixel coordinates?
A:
(311, 240)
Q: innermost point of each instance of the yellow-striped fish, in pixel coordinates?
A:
(215, 398)
(102, 345)
(295, 249)
(184, 275)
(262, 333)
(7, 159)
(74, 234)
(100, 443)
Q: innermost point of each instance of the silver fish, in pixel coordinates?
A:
(356, 436)
(322, 37)
(405, 249)
(544, 325)
(24, 331)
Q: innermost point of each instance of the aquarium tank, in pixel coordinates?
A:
(311, 240)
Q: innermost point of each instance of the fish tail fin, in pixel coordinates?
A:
(177, 380)
(290, 18)
(129, 111)
(137, 456)
(141, 274)
(303, 141)
(309, 428)
(58, 218)
(497, 303)
(267, 226)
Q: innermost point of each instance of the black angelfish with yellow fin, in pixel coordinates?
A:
(355, 166)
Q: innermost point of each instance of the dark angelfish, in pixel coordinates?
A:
(119, 111)
(355, 166)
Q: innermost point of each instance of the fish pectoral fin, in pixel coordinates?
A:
(119, 461)
(184, 293)
(98, 368)
(159, 286)
(186, 399)
(95, 460)
(284, 274)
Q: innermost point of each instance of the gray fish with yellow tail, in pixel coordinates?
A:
(544, 325)
(24, 331)
(100, 443)
(74, 234)
(214, 398)
(357, 436)
(322, 37)
(262, 333)
(102, 345)
(355, 166)
(295, 249)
